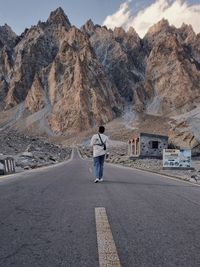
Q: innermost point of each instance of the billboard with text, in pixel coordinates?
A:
(175, 158)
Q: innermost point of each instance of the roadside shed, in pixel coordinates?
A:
(147, 145)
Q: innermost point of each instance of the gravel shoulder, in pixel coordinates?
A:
(31, 152)
(119, 156)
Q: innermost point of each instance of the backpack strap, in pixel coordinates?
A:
(100, 139)
(103, 144)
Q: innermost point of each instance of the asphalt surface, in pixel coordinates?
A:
(47, 217)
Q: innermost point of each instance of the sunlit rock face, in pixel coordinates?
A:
(82, 78)
(79, 91)
(55, 66)
(36, 49)
(172, 78)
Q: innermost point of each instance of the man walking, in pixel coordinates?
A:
(99, 142)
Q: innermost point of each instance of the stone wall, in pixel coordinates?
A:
(152, 146)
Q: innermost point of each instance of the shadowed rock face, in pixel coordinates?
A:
(121, 55)
(82, 78)
(7, 42)
(58, 18)
(7, 36)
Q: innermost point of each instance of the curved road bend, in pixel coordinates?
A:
(47, 217)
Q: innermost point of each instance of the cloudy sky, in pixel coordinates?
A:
(141, 14)
(176, 12)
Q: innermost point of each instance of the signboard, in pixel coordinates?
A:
(175, 158)
(185, 160)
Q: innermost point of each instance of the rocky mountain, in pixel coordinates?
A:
(7, 36)
(121, 54)
(35, 50)
(54, 68)
(7, 42)
(75, 86)
(62, 79)
(172, 78)
(159, 74)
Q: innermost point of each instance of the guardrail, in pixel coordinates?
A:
(7, 165)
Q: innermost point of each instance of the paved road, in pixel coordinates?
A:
(47, 218)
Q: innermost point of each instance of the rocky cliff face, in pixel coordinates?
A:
(172, 78)
(77, 89)
(121, 54)
(7, 36)
(35, 50)
(7, 42)
(54, 68)
(77, 79)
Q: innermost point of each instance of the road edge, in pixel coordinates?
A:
(168, 176)
(39, 168)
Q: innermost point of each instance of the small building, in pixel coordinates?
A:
(147, 145)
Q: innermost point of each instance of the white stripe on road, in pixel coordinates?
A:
(108, 256)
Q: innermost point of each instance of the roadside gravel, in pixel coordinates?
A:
(119, 156)
(31, 152)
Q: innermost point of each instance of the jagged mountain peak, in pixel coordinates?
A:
(89, 24)
(132, 32)
(162, 25)
(78, 78)
(7, 35)
(119, 32)
(59, 17)
(158, 32)
(6, 28)
(130, 37)
(76, 42)
(187, 30)
(187, 27)
(88, 28)
(76, 35)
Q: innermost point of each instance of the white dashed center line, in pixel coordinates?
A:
(108, 256)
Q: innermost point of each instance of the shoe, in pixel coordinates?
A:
(101, 180)
(96, 180)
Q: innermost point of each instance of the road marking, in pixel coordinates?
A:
(80, 156)
(108, 256)
(90, 170)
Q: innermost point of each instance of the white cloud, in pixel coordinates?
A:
(120, 18)
(175, 11)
